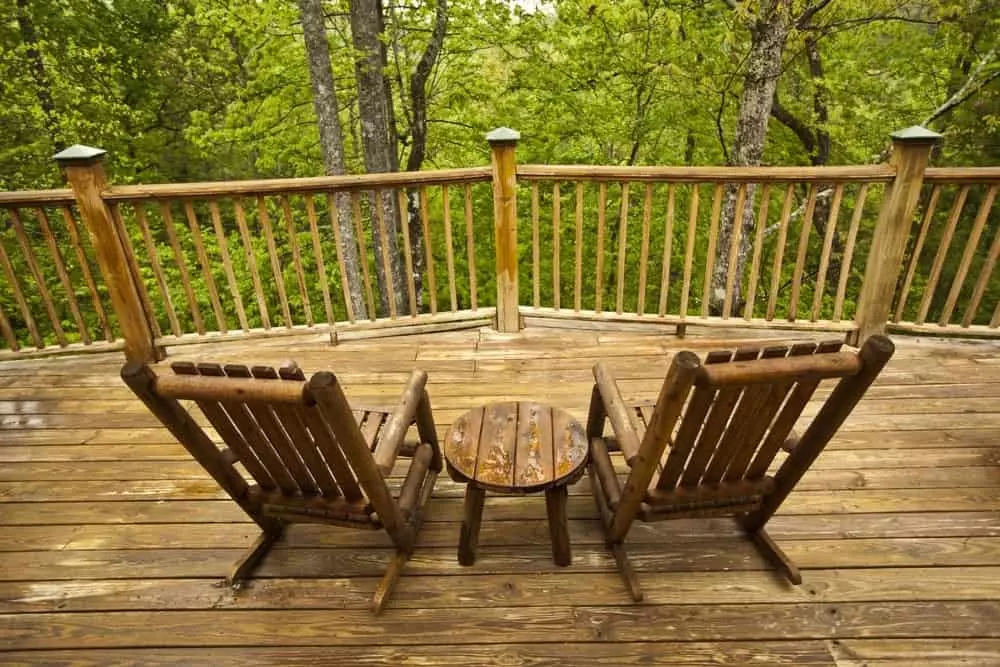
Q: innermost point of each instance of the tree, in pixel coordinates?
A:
(378, 139)
(416, 117)
(43, 87)
(768, 35)
(331, 138)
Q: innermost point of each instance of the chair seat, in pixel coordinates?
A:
(370, 421)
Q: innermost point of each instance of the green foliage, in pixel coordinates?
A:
(218, 89)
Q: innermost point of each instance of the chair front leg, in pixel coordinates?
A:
(388, 582)
(617, 548)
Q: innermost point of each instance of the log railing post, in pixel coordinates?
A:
(910, 153)
(85, 172)
(503, 142)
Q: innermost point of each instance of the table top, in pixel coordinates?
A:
(516, 447)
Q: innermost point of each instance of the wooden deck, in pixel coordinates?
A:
(114, 542)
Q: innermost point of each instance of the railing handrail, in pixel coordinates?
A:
(962, 175)
(36, 197)
(876, 173)
(900, 184)
(312, 184)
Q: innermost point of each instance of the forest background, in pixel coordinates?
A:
(194, 90)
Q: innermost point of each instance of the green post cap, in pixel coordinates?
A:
(503, 135)
(915, 133)
(79, 153)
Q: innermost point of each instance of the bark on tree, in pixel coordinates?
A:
(331, 139)
(816, 142)
(769, 33)
(43, 87)
(418, 131)
(377, 137)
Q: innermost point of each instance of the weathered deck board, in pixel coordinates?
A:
(114, 541)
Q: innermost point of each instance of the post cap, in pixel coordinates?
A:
(79, 153)
(502, 135)
(915, 133)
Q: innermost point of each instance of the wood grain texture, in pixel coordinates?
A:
(114, 541)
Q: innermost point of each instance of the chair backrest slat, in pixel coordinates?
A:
(327, 444)
(687, 435)
(800, 394)
(276, 437)
(760, 420)
(734, 440)
(228, 431)
(142, 381)
(715, 425)
(295, 444)
(244, 421)
(298, 436)
(733, 430)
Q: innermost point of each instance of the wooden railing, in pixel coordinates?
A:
(641, 243)
(947, 250)
(851, 249)
(269, 256)
(54, 295)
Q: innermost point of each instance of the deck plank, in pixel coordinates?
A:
(115, 542)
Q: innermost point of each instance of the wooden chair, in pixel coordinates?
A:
(312, 459)
(705, 447)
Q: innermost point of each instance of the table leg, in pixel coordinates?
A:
(555, 504)
(471, 518)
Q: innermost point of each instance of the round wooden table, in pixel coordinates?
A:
(515, 448)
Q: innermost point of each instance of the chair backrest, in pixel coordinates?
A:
(297, 439)
(728, 424)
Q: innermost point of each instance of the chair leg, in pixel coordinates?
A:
(251, 558)
(617, 549)
(626, 571)
(773, 553)
(395, 567)
(389, 579)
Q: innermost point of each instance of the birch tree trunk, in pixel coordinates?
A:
(377, 138)
(331, 139)
(769, 33)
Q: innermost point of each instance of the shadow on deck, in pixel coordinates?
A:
(115, 542)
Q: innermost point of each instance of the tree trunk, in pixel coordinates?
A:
(331, 139)
(377, 139)
(769, 34)
(418, 131)
(43, 87)
(816, 143)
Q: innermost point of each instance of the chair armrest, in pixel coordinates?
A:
(398, 423)
(617, 412)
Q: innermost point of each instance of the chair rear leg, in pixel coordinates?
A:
(617, 548)
(626, 571)
(774, 554)
(251, 558)
(389, 579)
